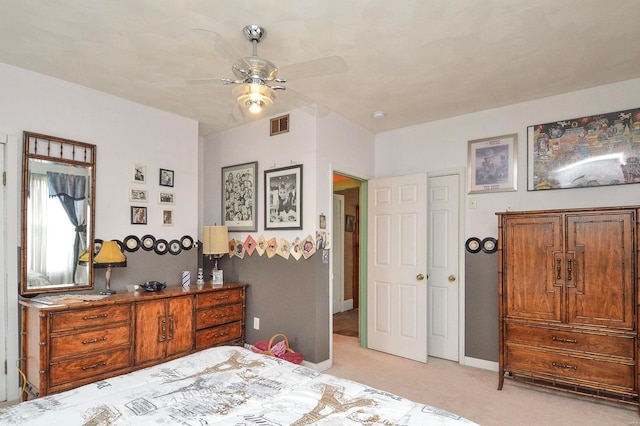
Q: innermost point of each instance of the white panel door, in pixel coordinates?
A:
(337, 253)
(397, 266)
(443, 286)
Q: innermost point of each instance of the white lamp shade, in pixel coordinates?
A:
(215, 240)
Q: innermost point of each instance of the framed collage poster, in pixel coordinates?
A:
(240, 197)
(492, 164)
(283, 198)
(597, 150)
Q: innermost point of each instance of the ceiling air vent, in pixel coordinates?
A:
(279, 125)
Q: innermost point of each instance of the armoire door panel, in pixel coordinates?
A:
(601, 247)
(531, 263)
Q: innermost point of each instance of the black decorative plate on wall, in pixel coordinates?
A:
(161, 246)
(187, 242)
(489, 245)
(175, 247)
(473, 245)
(131, 243)
(148, 242)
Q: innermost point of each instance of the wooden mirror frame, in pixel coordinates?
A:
(44, 149)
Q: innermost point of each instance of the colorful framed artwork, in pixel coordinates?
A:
(492, 164)
(283, 198)
(597, 150)
(240, 197)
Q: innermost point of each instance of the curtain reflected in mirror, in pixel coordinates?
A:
(57, 249)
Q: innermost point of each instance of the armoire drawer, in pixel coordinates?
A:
(602, 344)
(217, 316)
(100, 316)
(573, 368)
(218, 298)
(82, 368)
(218, 335)
(90, 341)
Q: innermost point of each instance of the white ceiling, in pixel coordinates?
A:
(418, 60)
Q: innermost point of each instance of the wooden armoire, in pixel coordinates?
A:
(568, 290)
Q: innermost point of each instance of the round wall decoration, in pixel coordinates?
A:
(489, 245)
(473, 245)
(131, 243)
(175, 247)
(148, 242)
(161, 246)
(187, 242)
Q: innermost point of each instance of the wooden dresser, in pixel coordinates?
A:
(568, 289)
(66, 346)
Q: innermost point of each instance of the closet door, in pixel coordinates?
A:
(599, 276)
(533, 251)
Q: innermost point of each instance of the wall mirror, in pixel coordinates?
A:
(58, 212)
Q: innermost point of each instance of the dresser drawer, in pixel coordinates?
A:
(101, 316)
(218, 298)
(609, 345)
(89, 341)
(218, 335)
(572, 368)
(216, 316)
(98, 364)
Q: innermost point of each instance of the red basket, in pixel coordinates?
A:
(280, 349)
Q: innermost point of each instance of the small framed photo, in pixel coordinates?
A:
(167, 217)
(138, 195)
(138, 173)
(492, 164)
(323, 221)
(166, 197)
(283, 198)
(349, 222)
(138, 215)
(166, 177)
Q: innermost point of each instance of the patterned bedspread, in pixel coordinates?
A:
(225, 386)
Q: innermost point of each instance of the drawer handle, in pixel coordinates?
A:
(222, 297)
(558, 269)
(567, 366)
(569, 269)
(102, 339)
(91, 367)
(560, 339)
(92, 317)
(222, 316)
(224, 333)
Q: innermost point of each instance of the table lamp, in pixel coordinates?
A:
(215, 242)
(110, 256)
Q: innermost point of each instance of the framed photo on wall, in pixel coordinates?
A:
(166, 177)
(283, 198)
(138, 173)
(240, 197)
(597, 150)
(138, 215)
(492, 164)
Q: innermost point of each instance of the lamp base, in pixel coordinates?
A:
(108, 292)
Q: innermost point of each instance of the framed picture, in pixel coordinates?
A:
(138, 215)
(166, 177)
(283, 198)
(138, 173)
(493, 164)
(349, 222)
(166, 197)
(597, 150)
(240, 197)
(167, 217)
(138, 195)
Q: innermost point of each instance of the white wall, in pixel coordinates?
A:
(443, 145)
(124, 132)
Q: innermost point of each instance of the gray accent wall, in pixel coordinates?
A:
(481, 306)
(288, 296)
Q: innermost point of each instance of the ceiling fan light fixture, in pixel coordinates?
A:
(254, 97)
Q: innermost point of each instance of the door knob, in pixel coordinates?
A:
(452, 277)
(420, 277)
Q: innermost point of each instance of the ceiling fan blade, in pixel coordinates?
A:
(223, 47)
(314, 68)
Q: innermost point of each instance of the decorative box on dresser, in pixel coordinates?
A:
(68, 345)
(568, 290)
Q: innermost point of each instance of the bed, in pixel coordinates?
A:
(226, 385)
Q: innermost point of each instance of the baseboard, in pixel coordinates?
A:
(347, 305)
(481, 363)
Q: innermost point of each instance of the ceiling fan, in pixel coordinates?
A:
(256, 79)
